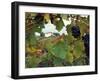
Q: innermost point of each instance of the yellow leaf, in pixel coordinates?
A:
(30, 49)
(46, 17)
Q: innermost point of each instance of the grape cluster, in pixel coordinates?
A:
(75, 31)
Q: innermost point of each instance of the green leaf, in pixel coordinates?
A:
(69, 56)
(69, 39)
(59, 25)
(79, 47)
(41, 25)
(58, 62)
(68, 27)
(31, 40)
(60, 50)
(36, 28)
(31, 61)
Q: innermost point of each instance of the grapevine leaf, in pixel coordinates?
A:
(60, 50)
(79, 47)
(69, 56)
(57, 62)
(59, 25)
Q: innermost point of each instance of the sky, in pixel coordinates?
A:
(49, 27)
